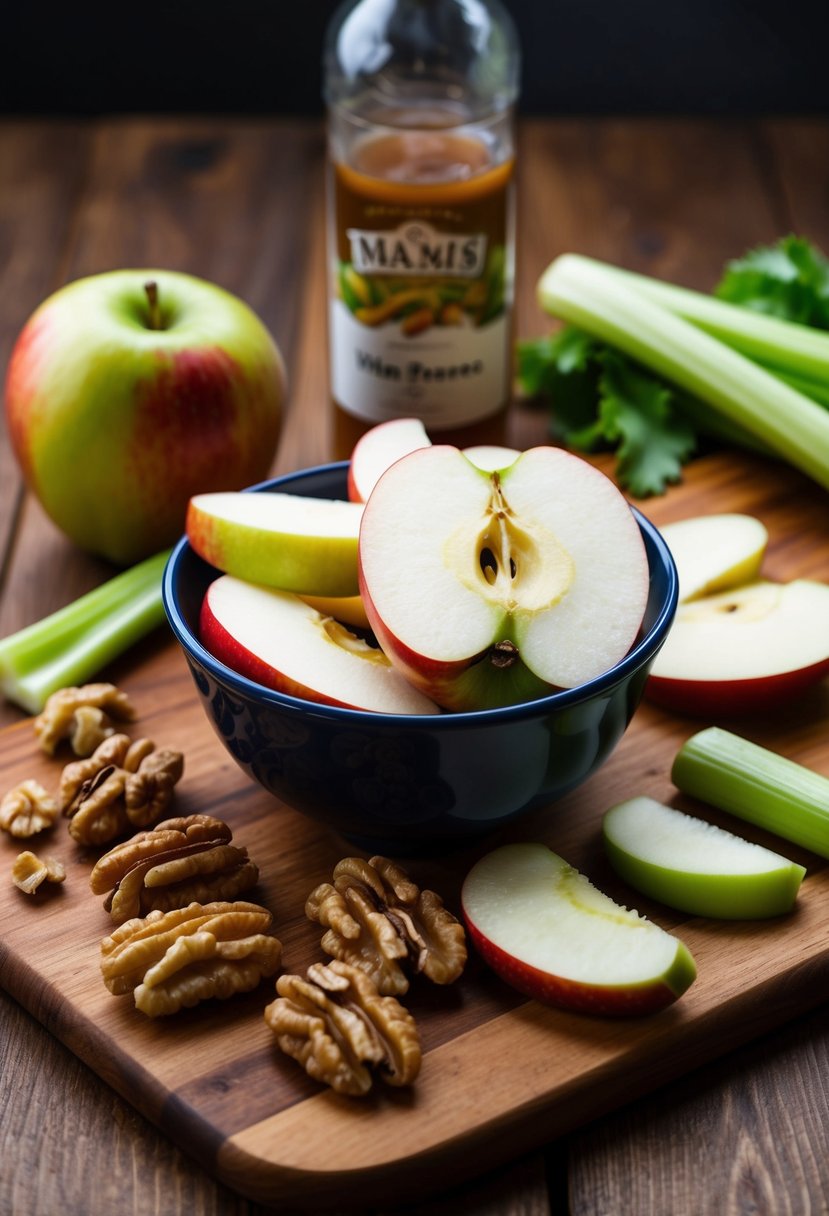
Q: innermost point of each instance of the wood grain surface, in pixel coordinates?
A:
(241, 202)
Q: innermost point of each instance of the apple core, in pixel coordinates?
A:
(519, 566)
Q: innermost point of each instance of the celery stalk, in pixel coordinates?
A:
(757, 785)
(586, 294)
(74, 643)
(781, 345)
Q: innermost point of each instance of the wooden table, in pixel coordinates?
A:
(241, 203)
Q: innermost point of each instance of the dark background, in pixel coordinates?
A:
(262, 56)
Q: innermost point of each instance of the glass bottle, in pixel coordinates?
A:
(420, 97)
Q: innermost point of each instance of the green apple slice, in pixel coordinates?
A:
(294, 543)
(695, 866)
(715, 552)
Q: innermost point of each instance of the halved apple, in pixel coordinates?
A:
(276, 639)
(307, 545)
(715, 552)
(696, 866)
(547, 931)
(379, 448)
(490, 588)
(743, 650)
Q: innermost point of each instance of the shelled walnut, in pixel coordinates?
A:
(27, 809)
(174, 960)
(30, 871)
(377, 919)
(341, 1030)
(82, 715)
(122, 785)
(178, 862)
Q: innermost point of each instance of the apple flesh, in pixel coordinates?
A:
(279, 641)
(486, 589)
(715, 552)
(288, 541)
(123, 403)
(695, 866)
(547, 931)
(491, 456)
(744, 650)
(379, 448)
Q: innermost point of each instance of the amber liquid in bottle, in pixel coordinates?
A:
(420, 233)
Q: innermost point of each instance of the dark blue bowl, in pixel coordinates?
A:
(402, 782)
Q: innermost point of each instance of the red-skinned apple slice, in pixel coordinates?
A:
(276, 639)
(379, 448)
(744, 650)
(490, 588)
(306, 545)
(547, 931)
(715, 552)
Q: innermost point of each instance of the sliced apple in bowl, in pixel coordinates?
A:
(695, 866)
(296, 543)
(276, 639)
(489, 588)
(547, 931)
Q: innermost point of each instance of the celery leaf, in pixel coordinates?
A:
(638, 414)
(789, 280)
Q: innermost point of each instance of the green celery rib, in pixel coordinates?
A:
(585, 294)
(73, 644)
(756, 785)
(783, 345)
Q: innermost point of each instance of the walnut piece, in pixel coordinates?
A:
(27, 809)
(378, 920)
(341, 1030)
(122, 785)
(83, 716)
(30, 871)
(176, 863)
(173, 960)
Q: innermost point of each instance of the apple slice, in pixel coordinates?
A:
(546, 930)
(744, 650)
(307, 545)
(490, 588)
(491, 456)
(695, 866)
(715, 552)
(379, 448)
(276, 639)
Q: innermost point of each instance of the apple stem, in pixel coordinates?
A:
(504, 654)
(151, 289)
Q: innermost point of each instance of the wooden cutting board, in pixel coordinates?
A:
(500, 1074)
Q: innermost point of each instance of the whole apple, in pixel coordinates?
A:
(130, 391)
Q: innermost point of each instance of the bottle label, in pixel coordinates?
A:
(421, 298)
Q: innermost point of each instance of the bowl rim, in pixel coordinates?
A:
(644, 650)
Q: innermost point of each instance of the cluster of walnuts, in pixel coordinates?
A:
(183, 934)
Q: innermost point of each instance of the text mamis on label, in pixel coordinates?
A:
(417, 249)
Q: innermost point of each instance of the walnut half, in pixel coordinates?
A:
(178, 862)
(83, 716)
(30, 871)
(173, 960)
(342, 1031)
(377, 919)
(121, 786)
(27, 809)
